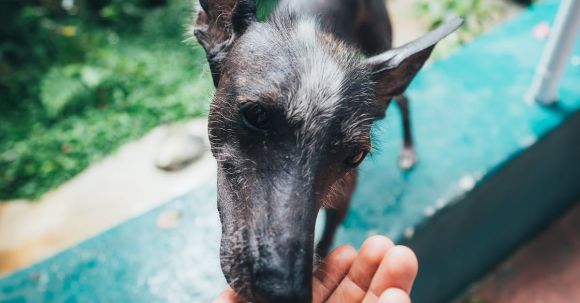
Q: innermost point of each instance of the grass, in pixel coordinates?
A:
(77, 111)
(479, 16)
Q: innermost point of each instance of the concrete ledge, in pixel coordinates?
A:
(463, 242)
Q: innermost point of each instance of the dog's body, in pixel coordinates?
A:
(289, 124)
(364, 24)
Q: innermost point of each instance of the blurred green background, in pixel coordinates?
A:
(80, 77)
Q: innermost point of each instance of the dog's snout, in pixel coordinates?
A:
(271, 287)
(283, 278)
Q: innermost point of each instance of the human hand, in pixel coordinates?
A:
(381, 272)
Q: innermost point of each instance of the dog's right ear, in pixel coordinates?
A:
(219, 23)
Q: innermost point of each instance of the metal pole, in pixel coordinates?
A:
(553, 62)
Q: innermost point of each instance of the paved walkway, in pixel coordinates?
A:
(546, 270)
(124, 185)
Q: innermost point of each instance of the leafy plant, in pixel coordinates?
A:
(265, 7)
(478, 14)
(59, 88)
(77, 84)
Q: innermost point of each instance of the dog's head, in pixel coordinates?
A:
(289, 122)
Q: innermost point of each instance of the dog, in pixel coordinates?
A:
(290, 121)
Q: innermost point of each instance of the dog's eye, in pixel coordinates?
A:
(255, 116)
(356, 157)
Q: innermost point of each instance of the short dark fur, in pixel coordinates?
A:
(289, 123)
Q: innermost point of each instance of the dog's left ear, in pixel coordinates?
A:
(218, 25)
(394, 69)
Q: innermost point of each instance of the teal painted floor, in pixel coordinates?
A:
(470, 118)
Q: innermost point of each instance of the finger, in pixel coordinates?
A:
(355, 285)
(370, 298)
(227, 296)
(394, 295)
(398, 269)
(332, 270)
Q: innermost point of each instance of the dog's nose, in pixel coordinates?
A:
(278, 291)
(276, 283)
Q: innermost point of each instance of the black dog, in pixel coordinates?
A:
(290, 122)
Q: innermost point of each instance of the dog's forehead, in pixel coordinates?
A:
(317, 81)
(315, 74)
(296, 48)
(322, 72)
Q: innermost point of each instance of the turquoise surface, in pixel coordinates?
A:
(470, 118)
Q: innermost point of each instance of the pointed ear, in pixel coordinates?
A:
(394, 69)
(219, 23)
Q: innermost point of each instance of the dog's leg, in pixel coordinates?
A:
(373, 33)
(408, 158)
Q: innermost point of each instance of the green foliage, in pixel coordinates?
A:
(478, 14)
(77, 84)
(265, 7)
(59, 88)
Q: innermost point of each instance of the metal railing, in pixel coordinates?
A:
(556, 53)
